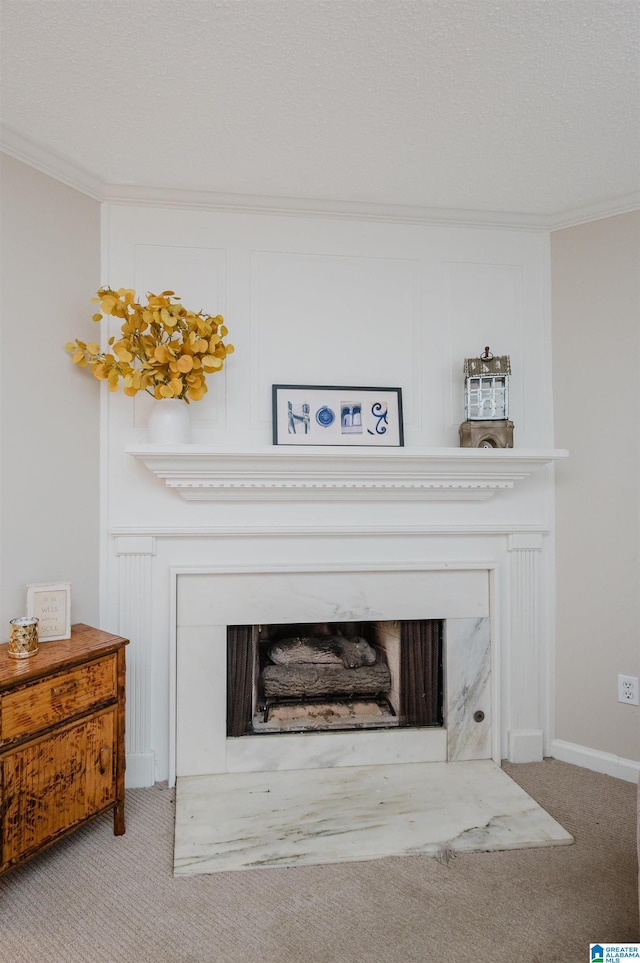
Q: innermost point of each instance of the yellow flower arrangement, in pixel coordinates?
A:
(164, 349)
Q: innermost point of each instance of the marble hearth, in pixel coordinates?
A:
(250, 821)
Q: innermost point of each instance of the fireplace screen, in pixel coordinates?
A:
(337, 675)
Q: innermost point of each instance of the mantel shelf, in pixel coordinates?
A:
(204, 473)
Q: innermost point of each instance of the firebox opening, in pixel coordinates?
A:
(301, 677)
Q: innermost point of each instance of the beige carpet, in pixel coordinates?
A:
(96, 898)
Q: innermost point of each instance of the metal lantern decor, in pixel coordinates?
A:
(486, 402)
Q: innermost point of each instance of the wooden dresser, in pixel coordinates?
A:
(61, 740)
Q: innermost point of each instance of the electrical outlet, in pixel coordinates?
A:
(628, 690)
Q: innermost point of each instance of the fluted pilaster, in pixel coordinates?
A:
(135, 556)
(525, 729)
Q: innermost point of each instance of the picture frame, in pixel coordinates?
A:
(50, 603)
(337, 415)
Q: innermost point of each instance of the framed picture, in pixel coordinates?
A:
(318, 415)
(51, 604)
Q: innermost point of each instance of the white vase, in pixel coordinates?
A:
(169, 423)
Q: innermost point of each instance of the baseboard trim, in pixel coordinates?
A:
(597, 761)
(525, 745)
(141, 770)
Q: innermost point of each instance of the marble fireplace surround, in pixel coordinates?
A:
(379, 591)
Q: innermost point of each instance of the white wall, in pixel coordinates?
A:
(318, 300)
(596, 359)
(49, 410)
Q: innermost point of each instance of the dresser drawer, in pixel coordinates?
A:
(41, 800)
(25, 711)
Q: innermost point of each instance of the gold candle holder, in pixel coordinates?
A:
(23, 642)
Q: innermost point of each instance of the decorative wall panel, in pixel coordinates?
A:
(331, 320)
(484, 307)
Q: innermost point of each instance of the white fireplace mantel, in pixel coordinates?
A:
(204, 473)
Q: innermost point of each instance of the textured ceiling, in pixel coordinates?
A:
(528, 106)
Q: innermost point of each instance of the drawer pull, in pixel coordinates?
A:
(105, 759)
(61, 690)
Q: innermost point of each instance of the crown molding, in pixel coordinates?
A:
(46, 161)
(52, 164)
(354, 210)
(612, 207)
(289, 473)
(315, 207)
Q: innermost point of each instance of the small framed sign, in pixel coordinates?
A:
(317, 415)
(51, 605)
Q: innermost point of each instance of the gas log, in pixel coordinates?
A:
(308, 680)
(325, 649)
